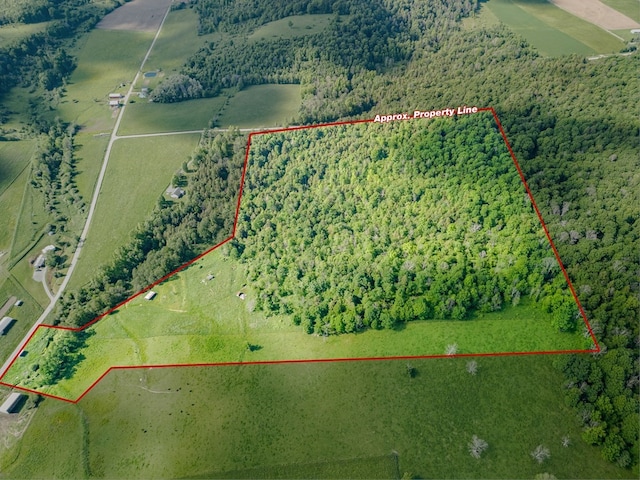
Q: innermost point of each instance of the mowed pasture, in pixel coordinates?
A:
(333, 420)
(262, 106)
(551, 30)
(106, 60)
(195, 320)
(148, 117)
(294, 26)
(139, 171)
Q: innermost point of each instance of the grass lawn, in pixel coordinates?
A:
(337, 420)
(106, 59)
(551, 30)
(15, 32)
(14, 158)
(25, 315)
(631, 8)
(193, 320)
(139, 171)
(294, 26)
(262, 106)
(146, 117)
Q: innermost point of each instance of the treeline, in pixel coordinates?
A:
(396, 223)
(173, 234)
(53, 170)
(335, 67)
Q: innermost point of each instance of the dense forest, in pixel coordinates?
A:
(572, 124)
(399, 222)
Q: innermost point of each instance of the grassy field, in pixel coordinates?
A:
(551, 30)
(631, 8)
(262, 106)
(25, 315)
(14, 171)
(106, 60)
(293, 26)
(178, 40)
(90, 150)
(15, 32)
(337, 420)
(193, 320)
(145, 117)
(139, 171)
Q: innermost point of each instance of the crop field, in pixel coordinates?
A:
(631, 8)
(146, 117)
(313, 421)
(15, 32)
(294, 26)
(106, 60)
(262, 106)
(139, 171)
(551, 30)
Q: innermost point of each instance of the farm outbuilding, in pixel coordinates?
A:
(114, 103)
(5, 324)
(39, 263)
(177, 193)
(150, 295)
(10, 403)
(115, 96)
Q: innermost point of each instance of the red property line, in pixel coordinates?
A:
(321, 360)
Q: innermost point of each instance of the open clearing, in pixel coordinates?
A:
(596, 12)
(262, 106)
(194, 322)
(139, 171)
(15, 32)
(312, 421)
(137, 15)
(551, 30)
(107, 60)
(294, 26)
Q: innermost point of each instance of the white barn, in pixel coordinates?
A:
(150, 295)
(4, 324)
(10, 403)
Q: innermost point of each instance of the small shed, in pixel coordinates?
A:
(114, 103)
(177, 193)
(49, 248)
(150, 295)
(241, 295)
(10, 403)
(18, 303)
(115, 96)
(5, 323)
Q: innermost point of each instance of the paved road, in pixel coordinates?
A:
(92, 208)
